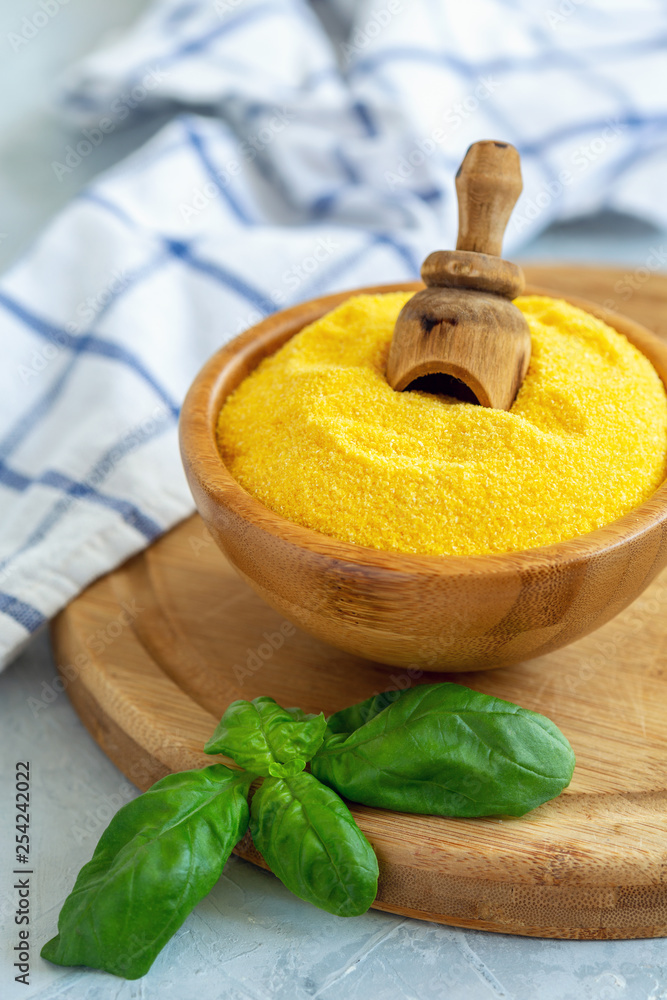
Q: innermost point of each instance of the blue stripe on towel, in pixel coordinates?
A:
(81, 491)
(87, 342)
(97, 474)
(234, 282)
(197, 144)
(27, 616)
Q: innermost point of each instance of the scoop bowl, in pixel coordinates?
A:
(439, 613)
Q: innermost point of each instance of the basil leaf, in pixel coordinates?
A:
(446, 750)
(288, 770)
(300, 716)
(261, 736)
(309, 839)
(349, 719)
(159, 856)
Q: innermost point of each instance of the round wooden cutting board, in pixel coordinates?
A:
(153, 653)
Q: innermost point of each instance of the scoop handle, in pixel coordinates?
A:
(488, 184)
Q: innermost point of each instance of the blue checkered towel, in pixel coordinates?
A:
(312, 148)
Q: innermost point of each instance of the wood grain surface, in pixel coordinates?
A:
(153, 653)
(488, 184)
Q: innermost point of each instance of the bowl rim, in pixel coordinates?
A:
(208, 474)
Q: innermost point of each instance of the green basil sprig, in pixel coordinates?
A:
(441, 749)
(165, 850)
(159, 856)
(445, 750)
(309, 839)
(266, 739)
(304, 831)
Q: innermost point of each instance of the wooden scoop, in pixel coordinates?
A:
(463, 325)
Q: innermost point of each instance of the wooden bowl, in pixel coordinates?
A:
(450, 613)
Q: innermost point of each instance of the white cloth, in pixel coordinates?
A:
(300, 159)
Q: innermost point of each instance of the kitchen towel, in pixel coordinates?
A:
(311, 147)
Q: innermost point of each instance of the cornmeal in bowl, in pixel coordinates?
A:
(317, 435)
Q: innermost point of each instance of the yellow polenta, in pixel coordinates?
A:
(316, 434)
